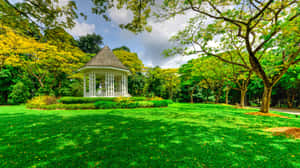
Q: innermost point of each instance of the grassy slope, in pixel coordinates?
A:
(181, 135)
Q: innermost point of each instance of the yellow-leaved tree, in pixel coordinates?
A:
(36, 58)
(130, 60)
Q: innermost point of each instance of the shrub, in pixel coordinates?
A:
(105, 105)
(155, 98)
(145, 104)
(39, 101)
(160, 103)
(169, 101)
(128, 105)
(123, 100)
(63, 106)
(82, 100)
(138, 98)
(19, 94)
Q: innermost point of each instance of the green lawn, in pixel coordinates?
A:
(182, 135)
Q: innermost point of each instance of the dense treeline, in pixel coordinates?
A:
(200, 80)
(38, 57)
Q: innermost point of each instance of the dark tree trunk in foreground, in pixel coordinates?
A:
(243, 95)
(191, 96)
(266, 99)
(226, 96)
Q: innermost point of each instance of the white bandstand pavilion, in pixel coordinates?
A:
(105, 76)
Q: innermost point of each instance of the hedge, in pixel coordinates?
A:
(105, 104)
(137, 104)
(160, 103)
(62, 106)
(82, 100)
(72, 103)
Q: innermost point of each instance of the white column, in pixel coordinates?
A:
(90, 84)
(113, 83)
(106, 76)
(94, 82)
(108, 83)
(126, 84)
(123, 84)
(84, 86)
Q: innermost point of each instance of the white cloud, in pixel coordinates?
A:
(63, 3)
(177, 61)
(81, 29)
(120, 16)
(157, 40)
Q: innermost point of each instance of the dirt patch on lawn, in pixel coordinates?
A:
(293, 132)
(266, 114)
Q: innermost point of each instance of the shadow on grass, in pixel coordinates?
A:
(106, 140)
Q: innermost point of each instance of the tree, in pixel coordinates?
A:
(90, 43)
(11, 18)
(170, 84)
(130, 60)
(186, 80)
(290, 84)
(213, 74)
(260, 28)
(59, 37)
(125, 48)
(239, 76)
(153, 82)
(19, 94)
(40, 60)
(45, 14)
(136, 83)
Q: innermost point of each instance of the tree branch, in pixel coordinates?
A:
(220, 58)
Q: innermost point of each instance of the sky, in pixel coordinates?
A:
(148, 46)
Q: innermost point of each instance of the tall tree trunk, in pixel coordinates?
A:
(207, 95)
(243, 95)
(290, 98)
(218, 95)
(191, 96)
(171, 94)
(226, 96)
(266, 99)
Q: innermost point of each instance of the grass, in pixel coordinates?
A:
(182, 135)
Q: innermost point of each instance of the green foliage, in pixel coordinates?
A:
(136, 84)
(138, 98)
(125, 48)
(127, 103)
(39, 101)
(160, 103)
(59, 37)
(61, 106)
(19, 94)
(145, 104)
(161, 82)
(90, 43)
(130, 60)
(82, 100)
(46, 13)
(106, 104)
